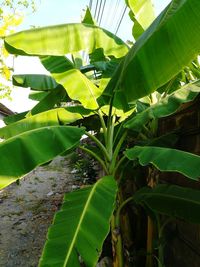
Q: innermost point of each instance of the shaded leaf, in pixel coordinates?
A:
(37, 95)
(54, 97)
(171, 200)
(166, 140)
(167, 159)
(35, 81)
(13, 118)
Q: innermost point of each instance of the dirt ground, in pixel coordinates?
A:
(27, 210)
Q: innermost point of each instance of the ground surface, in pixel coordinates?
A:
(27, 210)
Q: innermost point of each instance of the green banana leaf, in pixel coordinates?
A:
(167, 159)
(88, 19)
(164, 49)
(54, 97)
(38, 82)
(164, 107)
(37, 95)
(48, 118)
(56, 64)
(142, 14)
(22, 153)
(80, 227)
(72, 80)
(171, 200)
(13, 118)
(65, 39)
(97, 55)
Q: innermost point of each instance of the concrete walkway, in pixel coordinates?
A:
(27, 210)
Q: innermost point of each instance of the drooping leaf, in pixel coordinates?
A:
(171, 200)
(37, 95)
(167, 159)
(35, 81)
(142, 14)
(137, 29)
(77, 85)
(74, 228)
(22, 153)
(54, 97)
(164, 49)
(65, 39)
(48, 118)
(165, 106)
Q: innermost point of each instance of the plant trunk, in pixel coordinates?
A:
(149, 258)
(116, 244)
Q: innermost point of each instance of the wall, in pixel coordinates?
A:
(183, 246)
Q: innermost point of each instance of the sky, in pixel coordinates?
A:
(51, 12)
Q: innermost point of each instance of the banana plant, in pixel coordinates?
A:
(122, 91)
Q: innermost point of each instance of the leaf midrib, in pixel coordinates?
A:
(79, 225)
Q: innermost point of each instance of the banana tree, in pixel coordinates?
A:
(126, 90)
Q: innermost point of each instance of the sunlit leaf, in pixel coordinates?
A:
(164, 49)
(48, 118)
(64, 39)
(22, 153)
(142, 14)
(72, 80)
(74, 228)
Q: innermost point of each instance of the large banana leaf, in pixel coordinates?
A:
(80, 227)
(142, 14)
(77, 85)
(170, 43)
(165, 106)
(48, 118)
(167, 159)
(22, 153)
(171, 200)
(65, 39)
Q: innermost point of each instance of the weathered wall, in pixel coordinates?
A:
(183, 246)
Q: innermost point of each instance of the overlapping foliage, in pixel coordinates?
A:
(107, 90)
